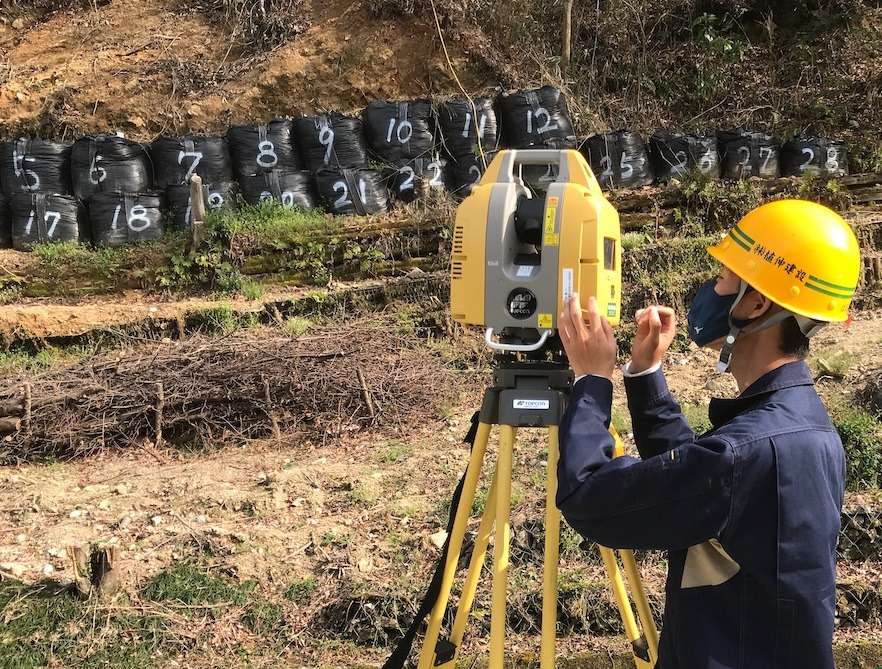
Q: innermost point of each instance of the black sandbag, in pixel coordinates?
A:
(675, 155)
(413, 179)
(38, 218)
(34, 165)
(464, 173)
(397, 131)
(120, 218)
(216, 196)
(536, 118)
(814, 155)
(352, 191)
(109, 163)
(748, 154)
(331, 141)
(5, 223)
(175, 160)
(261, 148)
(467, 128)
(292, 189)
(618, 159)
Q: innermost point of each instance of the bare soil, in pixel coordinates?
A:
(151, 67)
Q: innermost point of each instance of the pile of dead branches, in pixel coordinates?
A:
(208, 391)
(257, 25)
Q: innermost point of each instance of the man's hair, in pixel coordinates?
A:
(792, 341)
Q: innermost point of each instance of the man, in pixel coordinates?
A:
(749, 511)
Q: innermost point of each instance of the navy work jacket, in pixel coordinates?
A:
(748, 512)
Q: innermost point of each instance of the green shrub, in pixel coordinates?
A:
(861, 435)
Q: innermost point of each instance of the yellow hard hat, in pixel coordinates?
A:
(801, 255)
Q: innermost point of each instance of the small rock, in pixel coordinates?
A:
(18, 24)
(104, 505)
(76, 513)
(201, 519)
(366, 565)
(21, 538)
(55, 552)
(47, 570)
(438, 538)
(122, 489)
(156, 520)
(125, 520)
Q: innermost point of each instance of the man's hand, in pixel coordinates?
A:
(656, 327)
(590, 348)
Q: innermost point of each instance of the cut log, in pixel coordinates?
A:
(12, 407)
(9, 424)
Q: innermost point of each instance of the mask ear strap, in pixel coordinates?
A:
(734, 330)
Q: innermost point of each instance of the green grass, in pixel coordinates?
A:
(696, 416)
(394, 451)
(251, 290)
(301, 590)
(832, 363)
(297, 326)
(861, 434)
(44, 625)
(270, 223)
(189, 583)
(219, 320)
(621, 420)
(20, 361)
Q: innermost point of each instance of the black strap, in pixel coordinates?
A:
(402, 650)
(38, 202)
(354, 192)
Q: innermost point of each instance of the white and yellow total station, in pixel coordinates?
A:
(517, 256)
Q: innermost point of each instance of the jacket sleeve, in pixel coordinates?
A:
(673, 500)
(656, 418)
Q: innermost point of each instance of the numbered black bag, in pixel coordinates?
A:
(675, 156)
(109, 163)
(117, 219)
(748, 154)
(39, 218)
(261, 148)
(331, 141)
(177, 159)
(359, 192)
(468, 127)
(415, 178)
(216, 196)
(5, 223)
(397, 131)
(463, 174)
(34, 165)
(536, 118)
(618, 159)
(818, 156)
(292, 189)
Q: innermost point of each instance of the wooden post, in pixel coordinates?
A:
(566, 41)
(27, 407)
(197, 211)
(160, 405)
(277, 434)
(365, 392)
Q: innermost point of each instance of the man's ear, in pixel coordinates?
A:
(759, 304)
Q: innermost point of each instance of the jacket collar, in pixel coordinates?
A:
(788, 375)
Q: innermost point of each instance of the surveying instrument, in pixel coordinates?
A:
(517, 258)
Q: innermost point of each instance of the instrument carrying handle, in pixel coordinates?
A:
(496, 346)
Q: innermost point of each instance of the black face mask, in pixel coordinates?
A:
(708, 315)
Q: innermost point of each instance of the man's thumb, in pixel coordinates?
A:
(654, 324)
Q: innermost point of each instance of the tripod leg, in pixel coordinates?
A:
(621, 597)
(552, 550)
(642, 603)
(427, 654)
(470, 585)
(501, 546)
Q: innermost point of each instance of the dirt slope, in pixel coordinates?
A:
(150, 66)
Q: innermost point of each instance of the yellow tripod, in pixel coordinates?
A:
(523, 395)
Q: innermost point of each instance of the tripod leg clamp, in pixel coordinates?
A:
(640, 648)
